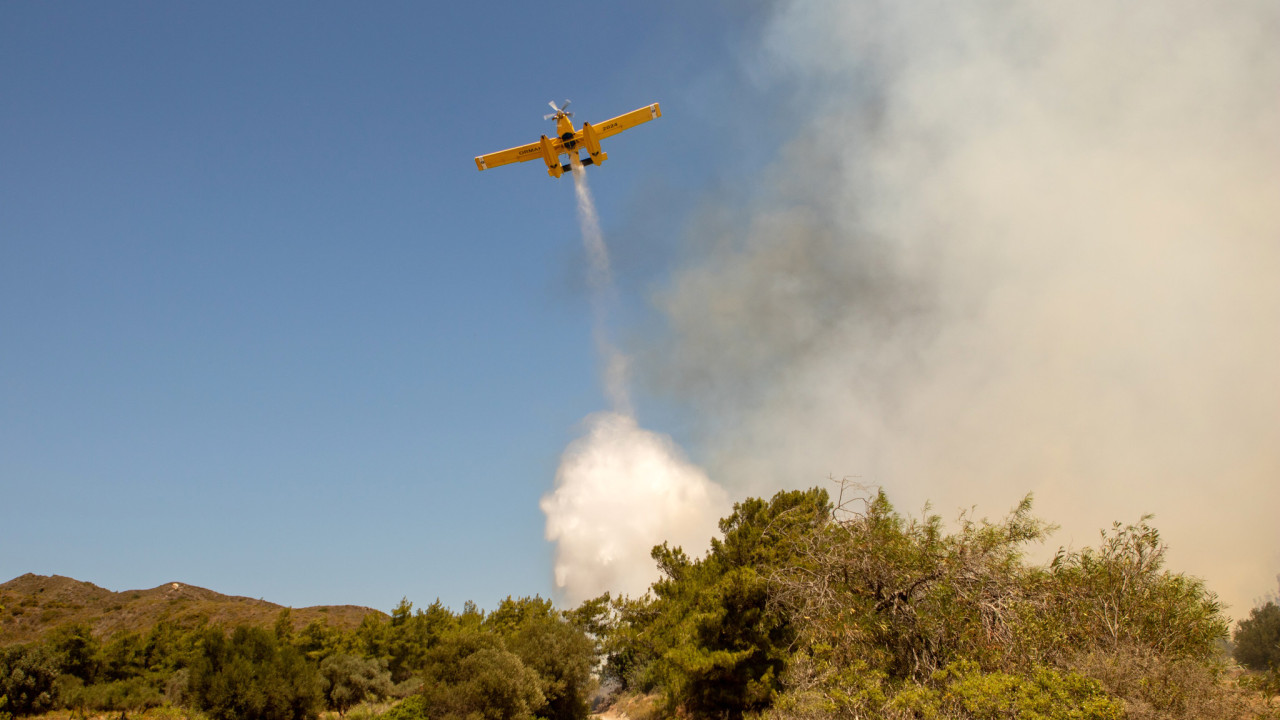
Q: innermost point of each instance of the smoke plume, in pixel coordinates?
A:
(1014, 247)
(620, 489)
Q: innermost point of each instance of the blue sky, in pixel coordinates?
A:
(265, 329)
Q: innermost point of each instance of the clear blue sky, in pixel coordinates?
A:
(265, 329)
(263, 326)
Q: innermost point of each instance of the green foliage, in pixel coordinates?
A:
(470, 675)
(283, 627)
(124, 656)
(318, 640)
(27, 675)
(250, 676)
(709, 637)
(557, 650)
(1257, 639)
(1118, 595)
(903, 595)
(347, 680)
(963, 691)
(77, 651)
(131, 695)
(592, 616)
(169, 647)
(413, 708)
(405, 640)
(872, 614)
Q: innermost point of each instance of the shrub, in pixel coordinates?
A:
(471, 676)
(1257, 639)
(27, 675)
(249, 676)
(347, 680)
(414, 708)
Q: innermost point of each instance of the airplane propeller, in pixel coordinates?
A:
(558, 110)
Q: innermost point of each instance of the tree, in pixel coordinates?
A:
(347, 680)
(1257, 639)
(470, 675)
(1119, 596)
(77, 651)
(27, 675)
(900, 595)
(124, 656)
(250, 676)
(557, 650)
(318, 640)
(900, 616)
(409, 636)
(709, 637)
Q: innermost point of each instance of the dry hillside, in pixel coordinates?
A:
(31, 605)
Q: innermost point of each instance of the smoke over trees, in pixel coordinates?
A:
(1009, 248)
(805, 609)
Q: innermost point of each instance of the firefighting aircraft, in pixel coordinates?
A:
(568, 140)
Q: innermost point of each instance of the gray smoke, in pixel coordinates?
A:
(1012, 247)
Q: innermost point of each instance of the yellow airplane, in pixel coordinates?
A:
(568, 140)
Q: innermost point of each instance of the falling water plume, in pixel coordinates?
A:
(620, 489)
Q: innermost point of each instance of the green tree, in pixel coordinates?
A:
(27, 675)
(168, 647)
(373, 637)
(901, 615)
(77, 651)
(901, 594)
(1119, 595)
(251, 676)
(283, 626)
(124, 656)
(710, 638)
(558, 651)
(318, 640)
(470, 675)
(1257, 639)
(347, 680)
(410, 635)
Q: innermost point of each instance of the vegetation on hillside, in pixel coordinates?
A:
(803, 608)
(33, 605)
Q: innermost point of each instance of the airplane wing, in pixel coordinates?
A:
(613, 126)
(532, 151)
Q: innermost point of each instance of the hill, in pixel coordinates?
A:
(31, 605)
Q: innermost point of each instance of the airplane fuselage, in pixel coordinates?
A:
(568, 145)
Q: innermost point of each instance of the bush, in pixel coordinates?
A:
(1158, 687)
(27, 675)
(249, 676)
(559, 652)
(347, 680)
(414, 708)
(1118, 596)
(471, 676)
(963, 691)
(1257, 639)
(120, 695)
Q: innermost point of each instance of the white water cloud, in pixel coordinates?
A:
(620, 489)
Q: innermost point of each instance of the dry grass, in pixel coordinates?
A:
(1157, 688)
(635, 707)
(159, 713)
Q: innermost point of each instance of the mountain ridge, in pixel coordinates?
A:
(32, 605)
